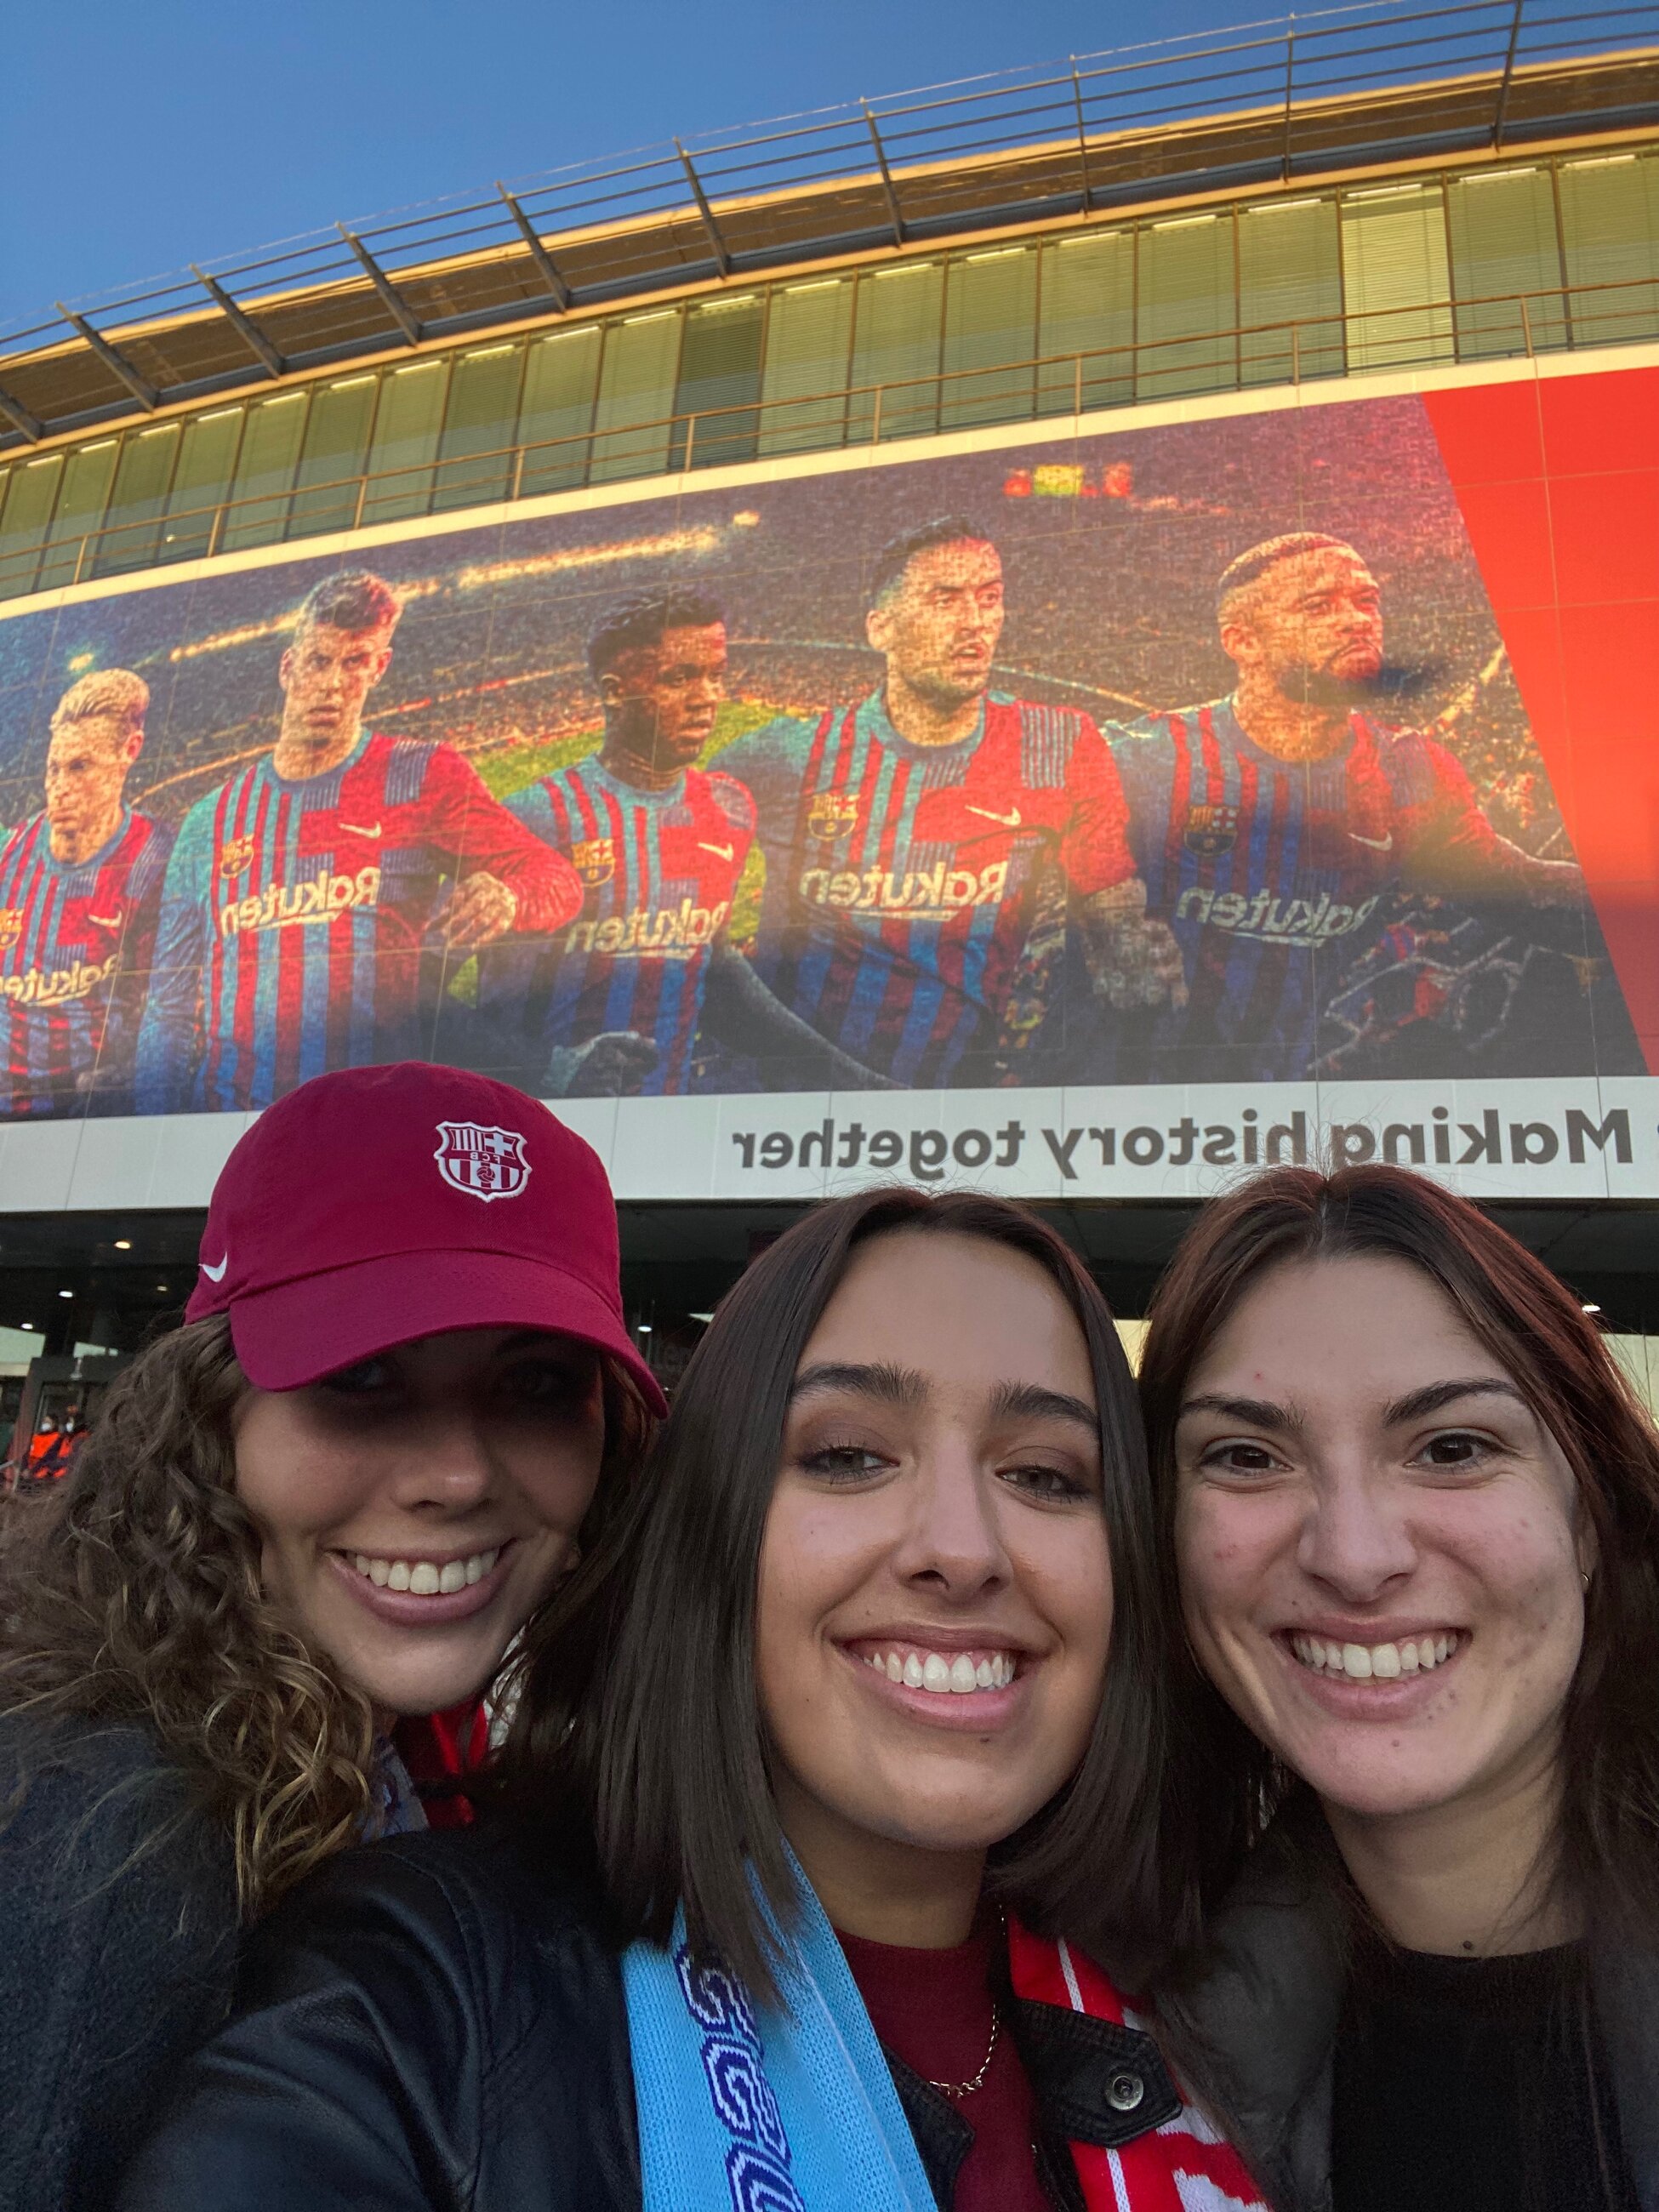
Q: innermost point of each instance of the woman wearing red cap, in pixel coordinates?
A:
(404, 1394)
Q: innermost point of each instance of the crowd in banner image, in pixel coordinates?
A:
(646, 874)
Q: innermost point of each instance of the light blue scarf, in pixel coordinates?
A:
(786, 2110)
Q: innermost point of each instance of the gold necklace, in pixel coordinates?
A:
(967, 2088)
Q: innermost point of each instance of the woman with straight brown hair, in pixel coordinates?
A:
(1412, 1510)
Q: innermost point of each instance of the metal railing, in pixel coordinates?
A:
(1243, 357)
(1338, 90)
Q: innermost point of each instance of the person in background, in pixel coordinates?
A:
(617, 1000)
(80, 893)
(823, 1807)
(1271, 825)
(931, 850)
(402, 1395)
(1413, 1508)
(302, 893)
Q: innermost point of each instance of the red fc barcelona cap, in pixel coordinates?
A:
(380, 1204)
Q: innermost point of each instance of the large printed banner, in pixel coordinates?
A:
(1084, 816)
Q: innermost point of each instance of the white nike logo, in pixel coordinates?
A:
(104, 920)
(217, 1274)
(360, 829)
(1008, 820)
(1377, 844)
(721, 852)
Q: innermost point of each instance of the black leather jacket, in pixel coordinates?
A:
(438, 2022)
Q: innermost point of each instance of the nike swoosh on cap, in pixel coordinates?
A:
(215, 1274)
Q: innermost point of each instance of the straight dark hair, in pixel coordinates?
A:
(1226, 1787)
(639, 1716)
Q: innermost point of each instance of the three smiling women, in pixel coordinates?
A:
(913, 1800)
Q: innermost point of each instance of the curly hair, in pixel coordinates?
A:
(136, 1595)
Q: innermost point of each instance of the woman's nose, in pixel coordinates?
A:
(1355, 1538)
(953, 1537)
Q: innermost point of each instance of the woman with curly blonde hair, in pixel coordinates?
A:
(403, 1399)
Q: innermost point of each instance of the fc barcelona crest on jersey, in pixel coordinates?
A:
(11, 926)
(483, 1163)
(1211, 831)
(594, 859)
(832, 815)
(235, 856)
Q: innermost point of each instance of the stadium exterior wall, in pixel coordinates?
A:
(1508, 511)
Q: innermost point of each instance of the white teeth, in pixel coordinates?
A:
(423, 1577)
(944, 1675)
(1365, 1662)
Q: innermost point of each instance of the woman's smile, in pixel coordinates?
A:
(951, 1678)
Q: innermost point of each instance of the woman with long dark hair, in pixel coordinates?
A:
(1413, 1512)
(402, 1395)
(828, 1810)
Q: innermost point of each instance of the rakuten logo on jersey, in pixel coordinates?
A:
(1269, 918)
(58, 986)
(280, 906)
(920, 895)
(671, 932)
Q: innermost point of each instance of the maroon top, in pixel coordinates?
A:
(932, 2009)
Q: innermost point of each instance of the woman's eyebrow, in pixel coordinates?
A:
(1034, 1401)
(1253, 1413)
(893, 1386)
(1434, 1396)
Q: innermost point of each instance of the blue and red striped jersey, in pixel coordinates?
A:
(75, 944)
(902, 880)
(293, 914)
(1273, 874)
(659, 869)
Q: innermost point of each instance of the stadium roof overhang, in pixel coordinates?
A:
(1347, 90)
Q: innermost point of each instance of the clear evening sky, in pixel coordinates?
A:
(134, 140)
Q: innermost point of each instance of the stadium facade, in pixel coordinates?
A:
(1076, 632)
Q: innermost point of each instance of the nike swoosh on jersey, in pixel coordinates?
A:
(1377, 844)
(721, 852)
(215, 1274)
(360, 829)
(1008, 820)
(104, 920)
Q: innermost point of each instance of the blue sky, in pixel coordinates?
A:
(139, 139)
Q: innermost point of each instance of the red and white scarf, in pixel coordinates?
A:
(1185, 2166)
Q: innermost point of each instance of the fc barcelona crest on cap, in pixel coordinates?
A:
(484, 1162)
(1211, 830)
